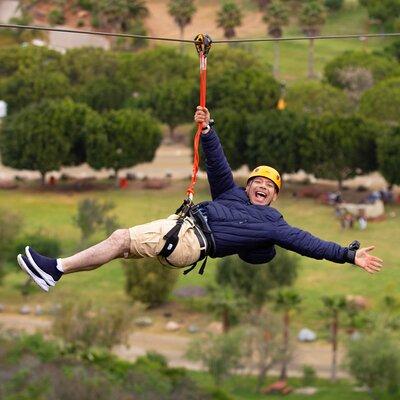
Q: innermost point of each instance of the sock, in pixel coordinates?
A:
(59, 265)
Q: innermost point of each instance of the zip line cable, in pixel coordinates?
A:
(266, 39)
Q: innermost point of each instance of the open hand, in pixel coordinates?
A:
(367, 262)
(202, 116)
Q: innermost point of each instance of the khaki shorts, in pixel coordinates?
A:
(147, 241)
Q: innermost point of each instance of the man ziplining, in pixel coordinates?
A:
(236, 221)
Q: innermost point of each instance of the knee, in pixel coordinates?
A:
(121, 239)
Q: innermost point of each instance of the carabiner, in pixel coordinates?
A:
(203, 43)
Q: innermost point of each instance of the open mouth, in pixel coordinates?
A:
(261, 195)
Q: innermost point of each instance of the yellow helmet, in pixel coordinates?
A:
(267, 172)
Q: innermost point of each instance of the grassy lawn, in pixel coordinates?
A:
(53, 213)
(243, 388)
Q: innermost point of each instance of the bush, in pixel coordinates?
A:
(94, 215)
(333, 5)
(82, 326)
(10, 227)
(219, 354)
(380, 67)
(309, 376)
(56, 17)
(42, 242)
(148, 281)
(382, 101)
(374, 361)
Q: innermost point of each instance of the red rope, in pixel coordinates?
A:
(196, 158)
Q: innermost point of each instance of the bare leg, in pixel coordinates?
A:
(113, 247)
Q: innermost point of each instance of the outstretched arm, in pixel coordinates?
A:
(219, 172)
(306, 244)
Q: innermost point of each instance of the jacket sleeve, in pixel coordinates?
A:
(306, 244)
(258, 256)
(219, 173)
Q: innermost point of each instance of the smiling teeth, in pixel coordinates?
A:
(261, 194)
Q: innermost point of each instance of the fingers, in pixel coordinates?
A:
(368, 249)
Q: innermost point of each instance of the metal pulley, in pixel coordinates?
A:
(203, 43)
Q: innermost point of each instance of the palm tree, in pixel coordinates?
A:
(286, 301)
(229, 17)
(182, 11)
(118, 15)
(312, 17)
(276, 16)
(333, 306)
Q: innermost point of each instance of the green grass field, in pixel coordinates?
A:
(53, 212)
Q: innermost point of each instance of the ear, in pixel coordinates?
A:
(248, 186)
(275, 196)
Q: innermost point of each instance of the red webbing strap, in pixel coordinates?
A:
(196, 158)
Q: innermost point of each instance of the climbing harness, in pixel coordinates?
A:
(188, 211)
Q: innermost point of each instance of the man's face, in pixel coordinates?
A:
(261, 191)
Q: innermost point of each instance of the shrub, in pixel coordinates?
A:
(374, 361)
(309, 376)
(56, 17)
(42, 242)
(82, 325)
(333, 5)
(148, 281)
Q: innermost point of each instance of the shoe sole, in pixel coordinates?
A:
(45, 276)
(40, 282)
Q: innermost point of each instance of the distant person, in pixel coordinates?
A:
(238, 220)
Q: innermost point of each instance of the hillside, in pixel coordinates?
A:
(351, 19)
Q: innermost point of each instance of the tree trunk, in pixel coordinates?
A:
(311, 73)
(286, 323)
(43, 178)
(335, 323)
(116, 182)
(171, 132)
(182, 30)
(225, 320)
(276, 59)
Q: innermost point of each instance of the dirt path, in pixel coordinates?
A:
(173, 346)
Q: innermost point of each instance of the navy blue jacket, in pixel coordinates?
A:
(251, 231)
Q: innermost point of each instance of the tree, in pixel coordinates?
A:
(316, 98)
(334, 305)
(172, 102)
(182, 11)
(129, 137)
(18, 59)
(32, 86)
(255, 283)
(103, 94)
(384, 13)
(149, 69)
(10, 227)
(41, 136)
(333, 5)
(219, 354)
(227, 305)
(244, 91)
(286, 301)
(229, 17)
(374, 361)
(381, 67)
(382, 102)
(118, 15)
(276, 16)
(312, 18)
(278, 134)
(388, 156)
(339, 147)
(148, 282)
(91, 216)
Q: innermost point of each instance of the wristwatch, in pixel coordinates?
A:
(351, 251)
(208, 127)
